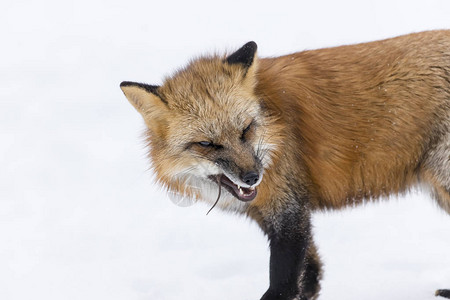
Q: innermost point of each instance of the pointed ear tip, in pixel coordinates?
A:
(244, 55)
(252, 45)
(149, 88)
(126, 83)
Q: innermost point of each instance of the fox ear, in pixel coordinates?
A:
(244, 56)
(142, 96)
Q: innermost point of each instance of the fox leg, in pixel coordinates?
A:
(436, 171)
(442, 196)
(440, 188)
(288, 229)
(312, 274)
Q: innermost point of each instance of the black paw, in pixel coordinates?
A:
(275, 295)
(443, 293)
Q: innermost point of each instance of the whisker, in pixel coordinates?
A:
(260, 151)
(186, 170)
(259, 144)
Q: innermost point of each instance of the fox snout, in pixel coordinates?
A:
(250, 178)
(239, 171)
(245, 170)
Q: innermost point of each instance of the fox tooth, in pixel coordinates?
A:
(239, 187)
(241, 192)
(252, 188)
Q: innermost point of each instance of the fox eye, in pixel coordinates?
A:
(247, 128)
(205, 144)
(245, 131)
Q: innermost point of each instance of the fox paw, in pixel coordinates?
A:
(443, 293)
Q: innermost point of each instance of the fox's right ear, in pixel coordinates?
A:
(244, 56)
(143, 97)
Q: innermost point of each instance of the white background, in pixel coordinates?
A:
(79, 215)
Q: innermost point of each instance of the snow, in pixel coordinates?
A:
(79, 215)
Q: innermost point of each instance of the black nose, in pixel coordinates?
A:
(250, 178)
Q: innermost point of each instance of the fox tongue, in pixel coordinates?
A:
(243, 194)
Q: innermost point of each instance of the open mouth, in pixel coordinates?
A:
(241, 193)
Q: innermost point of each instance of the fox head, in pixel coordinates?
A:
(207, 129)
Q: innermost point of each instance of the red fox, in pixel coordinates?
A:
(279, 138)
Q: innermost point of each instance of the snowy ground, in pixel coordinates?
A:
(79, 215)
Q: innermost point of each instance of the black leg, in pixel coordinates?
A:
(289, 235)
(310, 284)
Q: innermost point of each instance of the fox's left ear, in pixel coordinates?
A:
(245, 56)
(147, 100)
(143, 96)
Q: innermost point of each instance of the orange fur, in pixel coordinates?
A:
(363, 116)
